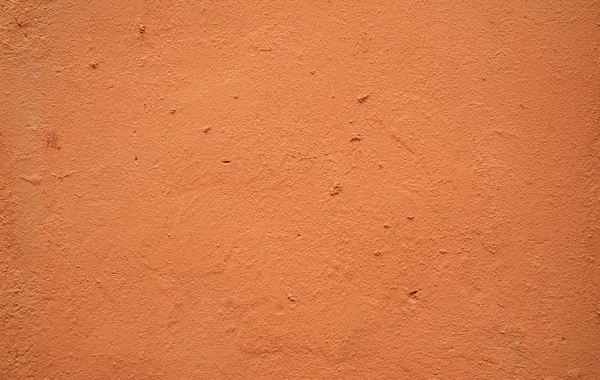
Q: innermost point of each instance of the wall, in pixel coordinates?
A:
(299, 189)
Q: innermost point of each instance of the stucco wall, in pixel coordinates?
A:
(299, 189)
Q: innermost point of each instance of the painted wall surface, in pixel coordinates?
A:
(300, 189)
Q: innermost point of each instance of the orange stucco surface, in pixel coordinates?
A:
(299, 189)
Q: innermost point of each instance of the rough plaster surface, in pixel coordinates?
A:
(299, 190)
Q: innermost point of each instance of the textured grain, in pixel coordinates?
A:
(299, 189)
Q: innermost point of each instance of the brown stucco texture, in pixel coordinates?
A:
(299, 189)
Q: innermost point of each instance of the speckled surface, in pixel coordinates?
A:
(299, 190)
